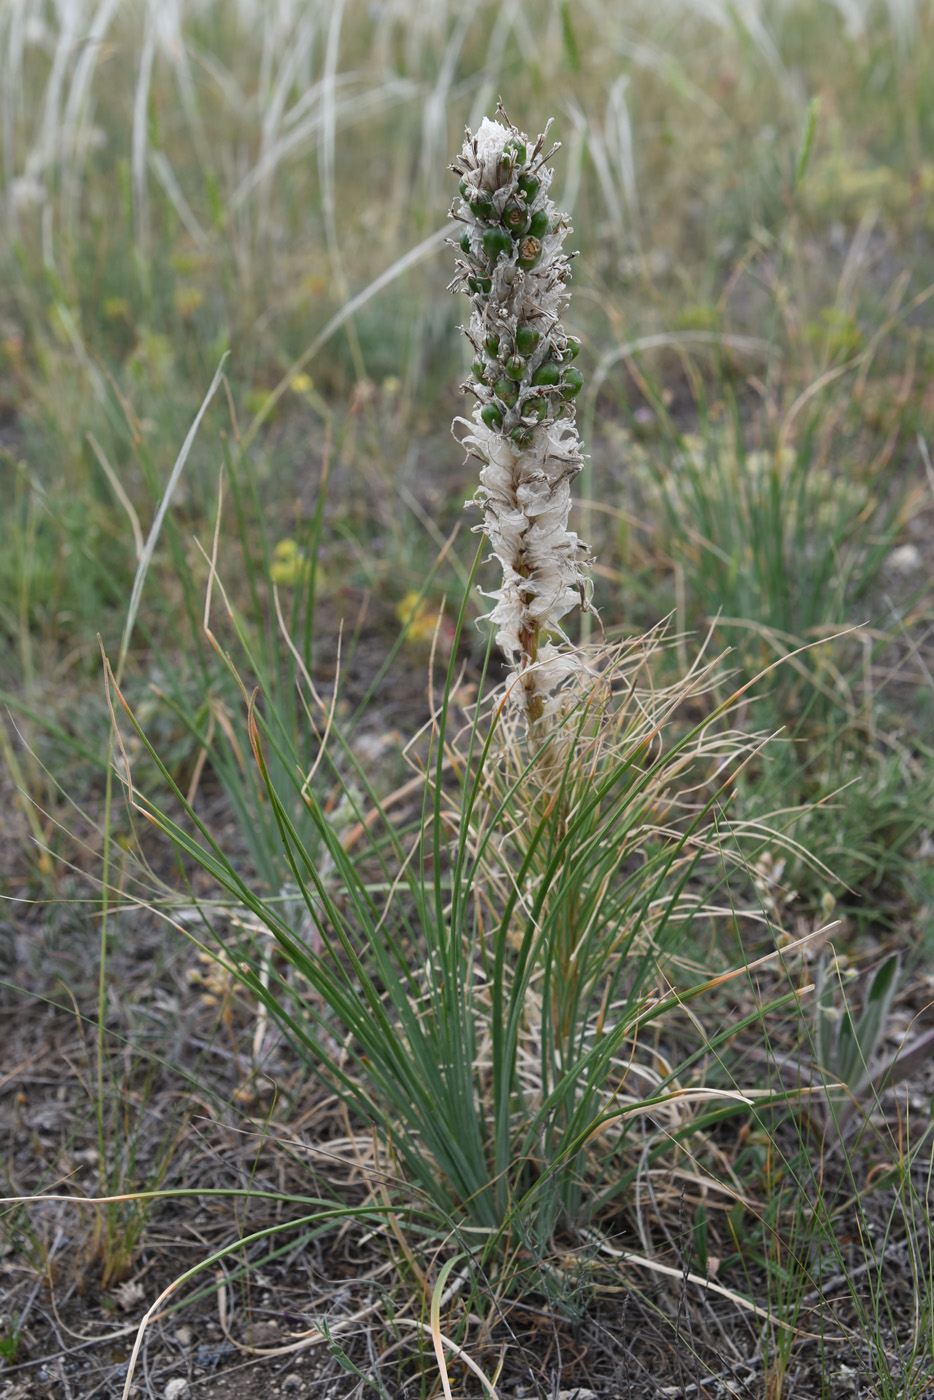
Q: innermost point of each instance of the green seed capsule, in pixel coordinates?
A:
(482, 205)
(521, 436)
(515, 218)
(515, 146)
(506, 391)
(537, 410)
(464, 241)
(530, 251)
(529, 186)
(491, 415)
(539, 225)
(495, 242)
(547, 374)
(526, 339)
(463, 187)
(574, 348)
(491, 346)
(515, 367)
(477, 369)
(572, 383)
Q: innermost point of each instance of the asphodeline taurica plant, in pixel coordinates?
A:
(525, 382)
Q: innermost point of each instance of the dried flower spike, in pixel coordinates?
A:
(523, 427)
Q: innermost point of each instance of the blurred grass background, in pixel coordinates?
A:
(752, 194)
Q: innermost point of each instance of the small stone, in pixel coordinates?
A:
(293, 1382)
(176, 1388)
(905, 559)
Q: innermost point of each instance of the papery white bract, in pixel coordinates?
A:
(523, 428)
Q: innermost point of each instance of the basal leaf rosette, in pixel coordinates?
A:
(524, 383)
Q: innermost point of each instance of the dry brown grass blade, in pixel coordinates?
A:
(441, 1341)
(642, 1262)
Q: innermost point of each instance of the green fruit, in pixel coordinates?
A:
(547, 374)
(539, 225)
(463, 187)
(526, 339)
(482, 205)
(495, 242)
(530, 251)
(506, 391)
(491, 346)
(572, 383)
(574, 348)
(515, 218)
(477, 369)
(521, 436)
(464, 241)
(480, 284)
(515, 367)
(491, 415)
(529, 186)
(517, 146)
(537, 410)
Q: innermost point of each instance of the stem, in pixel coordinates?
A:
(529, 637)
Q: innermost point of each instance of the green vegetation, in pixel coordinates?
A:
(311, 944)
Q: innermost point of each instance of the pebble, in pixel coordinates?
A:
(905, 559)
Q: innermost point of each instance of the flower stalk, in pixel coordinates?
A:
(523, 428)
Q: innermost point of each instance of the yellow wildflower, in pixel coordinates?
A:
(289, 565)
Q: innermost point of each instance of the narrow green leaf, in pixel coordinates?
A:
(571, 50)
(807, 142)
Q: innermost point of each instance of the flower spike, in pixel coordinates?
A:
(523, 427)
